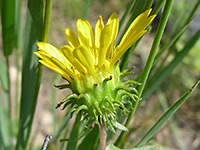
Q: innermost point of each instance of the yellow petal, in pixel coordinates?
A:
(134, 32)
(114, 22)
(53, 63)
(83, 55)
(68, 52)
(49, 49)
(53, 52)
(107, 39)
(90, 33)
(119, 52)
(55, 68)
(71, 38)
(98, 29)
(104, 44)
(85, 33)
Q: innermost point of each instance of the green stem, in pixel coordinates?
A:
(126, 14)
(137, 10)
(125, 58)
(150, 59)
(17, 55)
(39, 76)
(9, 95)
(86, 9)
(158, 7)
(148, 4)
(47, 20)
(18, 42)
(170, 43)
(155, 45)
(18, 24)
(103, 135)
(195, 8)
(190, 17)
(166, 116)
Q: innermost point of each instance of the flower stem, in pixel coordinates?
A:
(103, 135)
(150, 60)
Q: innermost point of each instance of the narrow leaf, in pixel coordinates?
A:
(8, 19)
(33, 33)
(4, 128)
(156, 81)
(3, 75)
(90, 140)
(150, 60)
(18, 24)
(170, 43)
(86, 8)
(166, 116)
(74, 134)
(126, 14)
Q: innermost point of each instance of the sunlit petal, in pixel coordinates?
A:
(134, 32)
(71, 38)
(68, 52)
(83, 55)
(114, 22)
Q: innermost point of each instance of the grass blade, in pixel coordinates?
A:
(170, 43)
(172, 48)
(150, 60)
(156, 81)
(152, 54)
(74, 134)
(3, 75)
(4, 129)
(167, 115)
(33, 33)
(18, 24)
(86, 8)
(63, 126)
(126, 14)
(156, 42)
(8, 25)
(148, 4)
(90, 140)
(158, 7)
(137, 10)
(32, 71)
(173, 124)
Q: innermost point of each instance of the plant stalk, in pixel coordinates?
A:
(150, 61)
(103, 135)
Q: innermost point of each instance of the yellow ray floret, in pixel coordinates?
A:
(86, 55)
(134, 32)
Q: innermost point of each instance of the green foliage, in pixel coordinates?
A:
(173, 46)
(8, 25)
(33, 33)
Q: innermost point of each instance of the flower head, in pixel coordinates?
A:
(90, 65)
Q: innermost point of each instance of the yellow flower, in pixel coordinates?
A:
(91, 64)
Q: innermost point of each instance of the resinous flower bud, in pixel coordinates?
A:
(90, 65)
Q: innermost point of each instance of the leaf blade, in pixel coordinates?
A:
(8, 25)
(166, 115)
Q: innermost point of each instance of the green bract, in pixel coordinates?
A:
(90, 65)
(99, 102)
